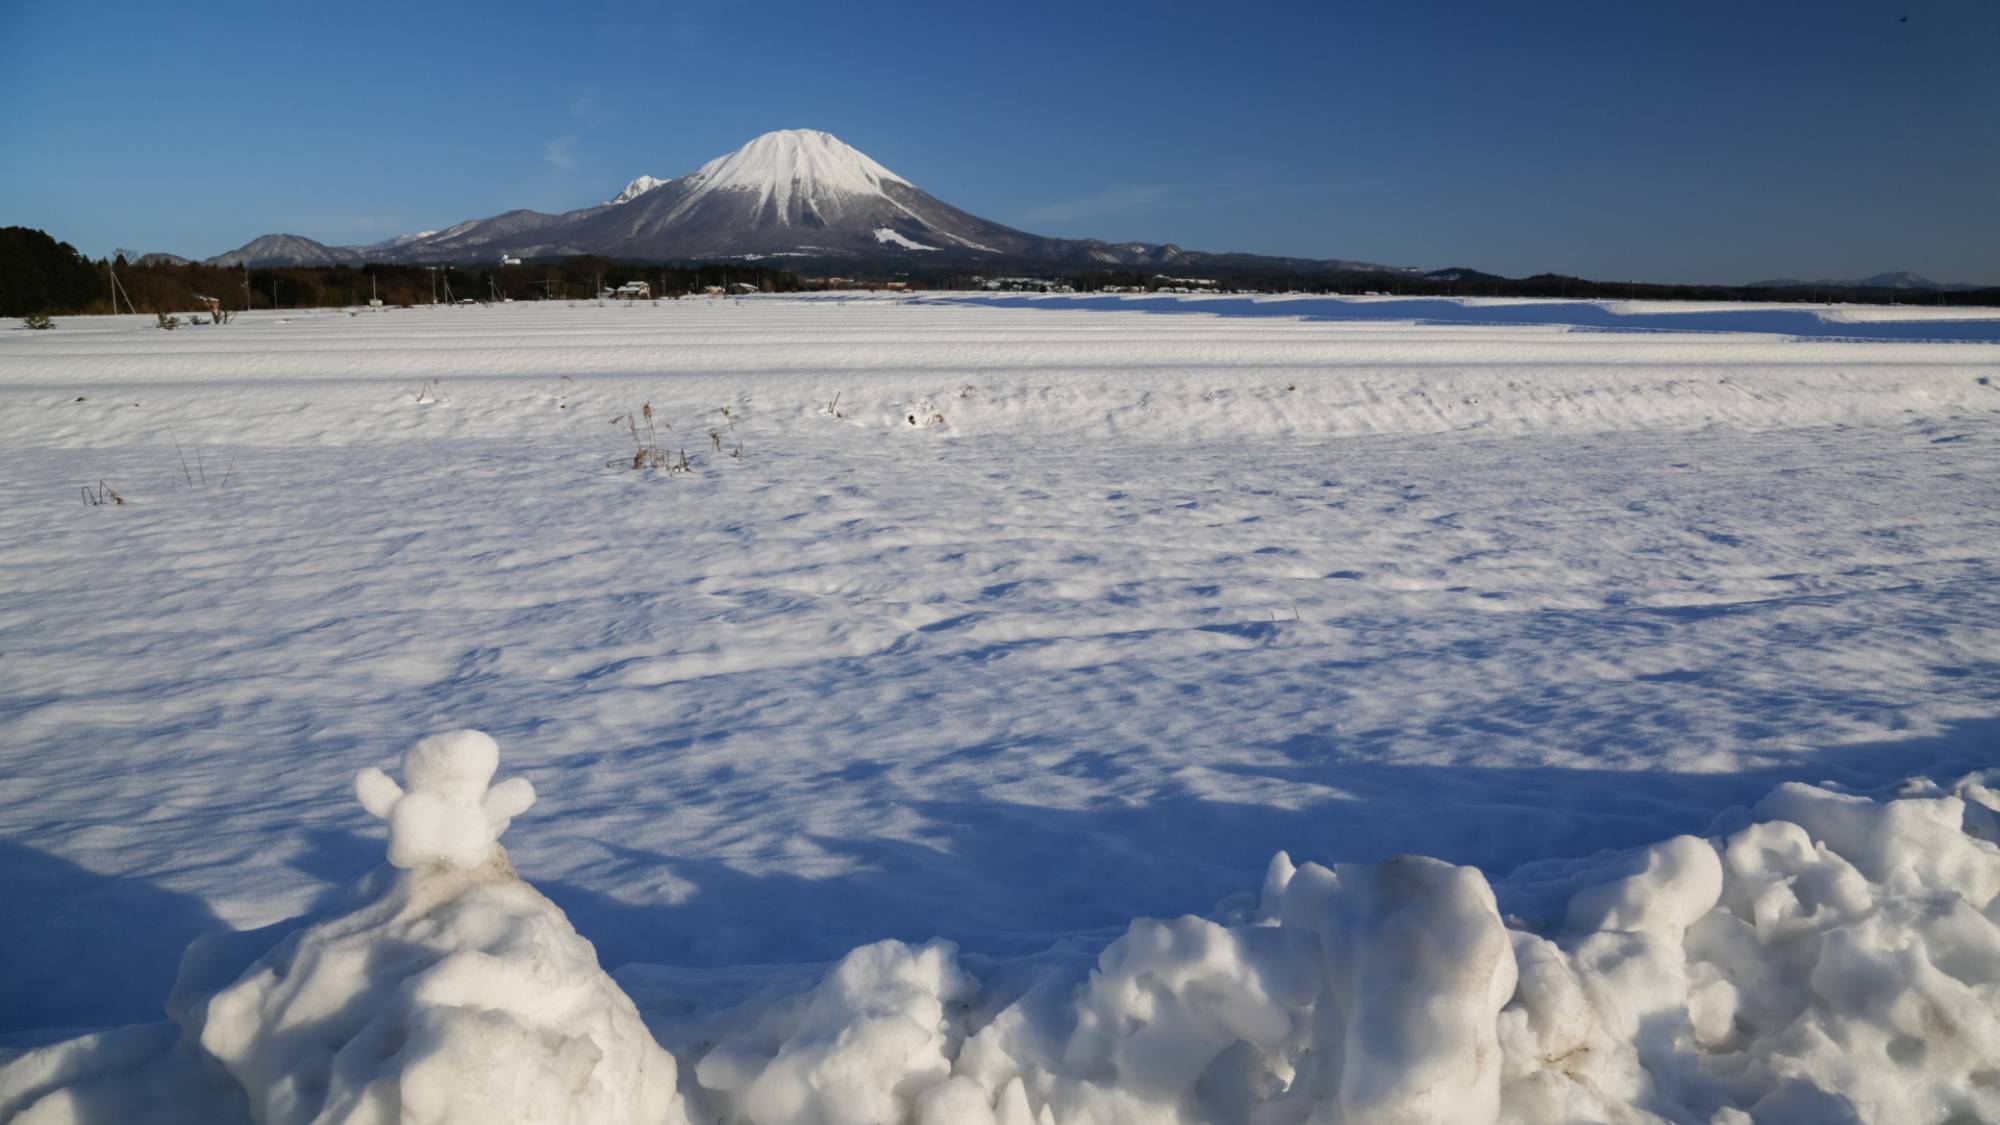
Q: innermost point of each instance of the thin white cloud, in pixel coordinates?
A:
(558, 155)
(583, 107)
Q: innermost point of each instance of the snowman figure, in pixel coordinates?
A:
(449, 816)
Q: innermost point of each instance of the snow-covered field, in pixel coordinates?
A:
(1012, 622)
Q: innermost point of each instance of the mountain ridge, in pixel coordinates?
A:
(1897, 279)
(805, 194)
(789, 193)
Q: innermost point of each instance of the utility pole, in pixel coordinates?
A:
(110, 267)
(246, 285)
(274, 290)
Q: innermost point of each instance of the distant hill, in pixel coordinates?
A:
(1902, 279)
(1460, 275)
(287, 250)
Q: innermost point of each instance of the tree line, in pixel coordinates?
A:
(40, 275)
(934, 273)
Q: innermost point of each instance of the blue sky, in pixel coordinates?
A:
(1672, 142)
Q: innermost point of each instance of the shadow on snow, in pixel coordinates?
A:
(1574, 314)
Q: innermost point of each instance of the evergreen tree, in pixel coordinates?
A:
(40, 275)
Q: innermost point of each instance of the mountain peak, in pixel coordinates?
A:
(635, 189)
(806, 162)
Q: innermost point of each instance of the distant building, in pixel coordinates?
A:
(1028, 284)
(634, 291)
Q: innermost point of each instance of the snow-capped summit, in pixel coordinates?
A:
(635, 189)
(818, 167)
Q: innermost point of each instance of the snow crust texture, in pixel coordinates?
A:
(1833, 957)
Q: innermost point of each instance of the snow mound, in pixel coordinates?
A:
(1827, 956)
(1359, 993)
(854, 1051)
(1847, 969)
(445, 992)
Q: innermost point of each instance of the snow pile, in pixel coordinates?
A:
(1840, 961)
(443, 994)
(1357, 993)
(1857, 947)
(1828, 957)
(855, 1050)
(447, 991)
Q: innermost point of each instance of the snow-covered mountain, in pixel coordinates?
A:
(392, 243)
(791, 192)
(634, 190)
(795, 192)
(479, 238)
(288, 250)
